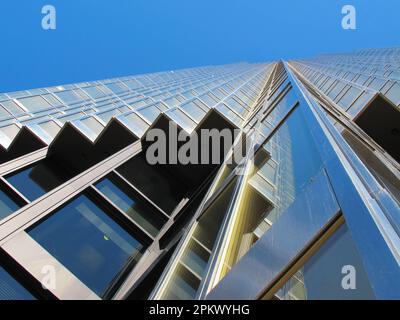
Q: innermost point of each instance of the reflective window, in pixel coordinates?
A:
(149, 113)
(182, 120)
(188, 274)
(229, 114)
(349, 97)
(121, 195)
(282, 168)
(106, 116)
(35, 103)
(13, 107)
(85, 239)
(70, 117)
(51, 127)
(136, 123)
(93, 124)
(322, 276)
(36, 180)
(94, 92)
(117, 87)
(7, 204)
(51, 99)
(394, 94)
(4, 113)
(69, 96)
(285, 165)
(194, 111)
(11, 289)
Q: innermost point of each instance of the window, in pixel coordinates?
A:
(93, 124)
(149, 113)
(348, 98)
(8, 205)
(13, 107)
(182, 119)
(84, 238)
(136, 123)
(69, 96)
(4, 113)
(394, 94)
(36, 180)
(11, 289)
(141, 213)
(229, 114)
(94, 92)
(321, 277)
(276, 179)
(34, 104)
(117, 87)
(189, 272)
(194, 111)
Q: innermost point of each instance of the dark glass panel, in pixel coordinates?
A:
(84, 238)
(7, 204)
(323, 275)
(36, 180)
(145, 216)
(11, 289)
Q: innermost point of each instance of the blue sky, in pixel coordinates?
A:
(97, 39)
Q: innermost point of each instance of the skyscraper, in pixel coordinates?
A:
(308, 210)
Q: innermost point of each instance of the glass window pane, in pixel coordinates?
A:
(136, 123)
(69, 96)
(93, 124)
(185, 279)
(7, 205)
(394, 94)
(321, 277)
(228, 113)
(13, 107)
(34, 104)
(349, 97)
(88, 242)
(182, 120)
(194, 111)
(117, 87)
(51, 99)
(4, 113)
(94, 92)
(142, 214)
(36, 180)
(11, 289)
(149, 113)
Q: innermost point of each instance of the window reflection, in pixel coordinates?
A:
(8, 204)
(11, 289)
(36, 180)
(322, 276)
(145, 216)
(192, 264)
(282, 168)
(84, 238)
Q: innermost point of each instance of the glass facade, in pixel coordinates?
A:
(312, 200)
